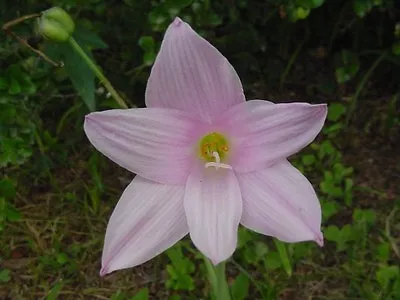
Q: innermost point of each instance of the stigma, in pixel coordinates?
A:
(217, 164)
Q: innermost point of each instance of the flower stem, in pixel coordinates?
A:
(98, 73)
(360, 86)
(216, 276)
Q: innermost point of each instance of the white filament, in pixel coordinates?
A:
(217, 164)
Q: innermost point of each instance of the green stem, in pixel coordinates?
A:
(107, 84)
(337, 26)
(293, 59)
(216, 275)
(222, 283)
(360, 86)
(251, 278)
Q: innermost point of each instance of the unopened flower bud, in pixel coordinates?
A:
(55, 24)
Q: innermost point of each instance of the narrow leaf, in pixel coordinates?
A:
(281, 247)
(240, 287)
(53, 293)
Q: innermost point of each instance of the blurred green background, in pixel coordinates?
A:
(57, 192)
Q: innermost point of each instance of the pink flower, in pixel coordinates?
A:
(206, 160)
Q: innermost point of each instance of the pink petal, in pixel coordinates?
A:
(192, 75)
(154, 143)
(263, 134)
(148, 219)
(279, 201)
(213, 207)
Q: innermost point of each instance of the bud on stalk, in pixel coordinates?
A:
(55, 24)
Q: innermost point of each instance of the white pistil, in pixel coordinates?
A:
(217, 164)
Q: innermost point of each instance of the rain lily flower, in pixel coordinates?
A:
(206, 160)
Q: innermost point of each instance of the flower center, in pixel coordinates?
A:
(214, 148)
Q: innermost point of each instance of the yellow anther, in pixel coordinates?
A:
(213, 142)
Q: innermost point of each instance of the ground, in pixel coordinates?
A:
(58, 240)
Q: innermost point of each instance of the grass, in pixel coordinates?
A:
(54, 249)
(66, 192)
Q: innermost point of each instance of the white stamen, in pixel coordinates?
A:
(217, 164)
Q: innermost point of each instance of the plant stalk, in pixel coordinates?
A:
(107, 84)
(216, 275)
(360, 86)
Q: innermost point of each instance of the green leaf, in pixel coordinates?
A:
(336, 110)
(158, 18)
(386, 274)
(240, 287)
(340, 236)
(180, 270)
(11, 213)
(332, 233)
(7, 188)
(119, 295)
(329, 188)
(326, 149)
(82, 78)
(348, 191)
(346, 234)
(5, 276)
(175, 6)
(303, 3)
(383, 252)
(27, 86)
(316, 3)
(329, 209)
(396, 287)
(302, 13)
(3, 83)
(395, 49)
(3, 204)
(367, 216)
(143, 294)
(81, 75)
(308, 159)
(147, 43)
(245, 236)
(54, 292)
(344, 74)
(362, 7)
(62, 258)
(300, 250)
(260, 249)
(348, 66)
(14, 87)
(88, 39)
(273, 260)
(281, 247)
(149, 58)
(212, 19)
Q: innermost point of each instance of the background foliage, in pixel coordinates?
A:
(56, 192)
